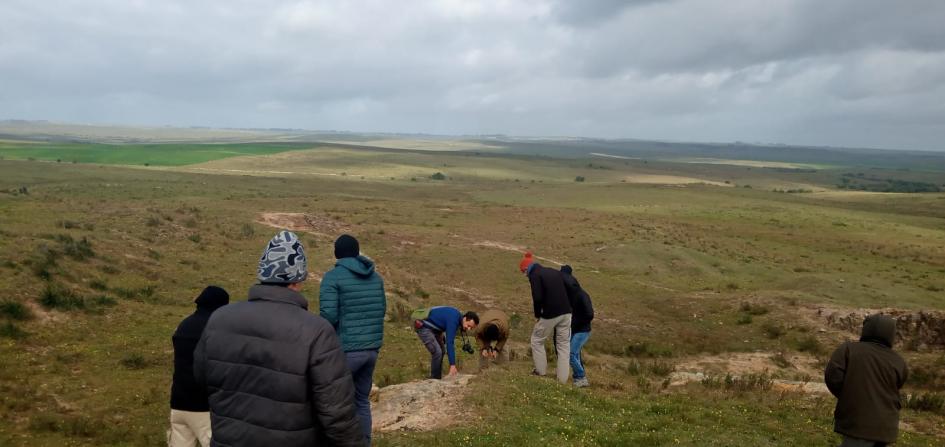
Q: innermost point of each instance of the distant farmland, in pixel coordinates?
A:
(169, 154)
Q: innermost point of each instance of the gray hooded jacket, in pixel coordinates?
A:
(275, 375)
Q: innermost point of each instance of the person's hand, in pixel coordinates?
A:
(485, 353)
(453, 370)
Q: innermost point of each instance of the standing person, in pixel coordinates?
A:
(866, 377)
(352, 299)
(437, 327)
(582, 312)
(552, 314)
(491, 335)
(190, 412)
(275, 373)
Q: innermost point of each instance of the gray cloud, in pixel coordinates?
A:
(846, 72)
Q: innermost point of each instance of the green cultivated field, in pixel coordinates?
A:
(99, 263)
(167, 154)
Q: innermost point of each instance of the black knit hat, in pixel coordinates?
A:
(212, 297)
(347, 247)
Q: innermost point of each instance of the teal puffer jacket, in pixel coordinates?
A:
(352, 299)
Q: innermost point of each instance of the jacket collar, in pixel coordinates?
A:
(277, 294)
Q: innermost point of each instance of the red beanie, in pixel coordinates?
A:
(526, 261)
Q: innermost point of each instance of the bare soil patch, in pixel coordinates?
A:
(741, 363)
(308, 223)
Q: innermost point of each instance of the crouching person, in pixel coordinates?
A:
(491, 335)
(275, 372)
(437, 328)
(866, 377)
(190, 413)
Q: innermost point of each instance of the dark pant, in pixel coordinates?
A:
(854, 442)
(431, 341)
(361, 364)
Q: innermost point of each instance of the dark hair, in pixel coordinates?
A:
(472, 316)
(491, 332)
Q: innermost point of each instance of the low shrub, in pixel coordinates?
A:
(247, 231)
(744, 319)
(134, 361)
(10, 330)
(61, 298)
(772, 330)
(748, 382)
(79, 250)
(930, 402)
(810, 344)
(15, 310)
(753, 309)
(644, 349)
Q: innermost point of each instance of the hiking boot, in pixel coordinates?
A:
(582, 382)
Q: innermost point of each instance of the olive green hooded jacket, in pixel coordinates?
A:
(866, 376)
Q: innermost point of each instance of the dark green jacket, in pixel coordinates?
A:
(352, 299)
(866, 376)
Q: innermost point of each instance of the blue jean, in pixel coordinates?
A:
(577, 342)
(361, 364)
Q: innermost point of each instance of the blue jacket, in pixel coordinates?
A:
(448, 320)
(352, 299)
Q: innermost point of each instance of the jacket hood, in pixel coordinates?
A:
(212, 298)
(879, 329)
(264, 292)
(361, 265)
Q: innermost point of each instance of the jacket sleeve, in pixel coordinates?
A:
(331, 391)
(588, 305)
(537, 293)
(451, 342)
(200, 361)
(501, 343)
(836, 370)
(328, 299)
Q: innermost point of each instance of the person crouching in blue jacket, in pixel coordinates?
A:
(352, 299)
(438, 332)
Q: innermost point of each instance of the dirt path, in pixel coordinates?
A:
(310, 223)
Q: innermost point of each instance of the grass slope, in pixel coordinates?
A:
(107, 261)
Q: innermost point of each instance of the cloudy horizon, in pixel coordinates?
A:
(856, 73)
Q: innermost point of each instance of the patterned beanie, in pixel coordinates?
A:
(283, 261)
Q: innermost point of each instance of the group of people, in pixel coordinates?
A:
(562, 309)
(267, 371)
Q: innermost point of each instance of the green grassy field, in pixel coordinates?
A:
(99, 263)
(139, 154)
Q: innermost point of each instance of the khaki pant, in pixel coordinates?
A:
(188, 428)
(560, 326)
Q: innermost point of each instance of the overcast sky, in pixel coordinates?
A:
(868, 73)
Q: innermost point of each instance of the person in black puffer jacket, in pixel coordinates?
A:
(275, 372)
(190, 412)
